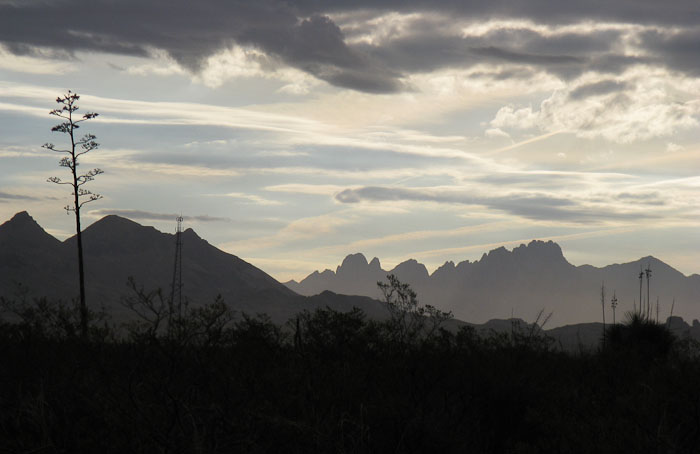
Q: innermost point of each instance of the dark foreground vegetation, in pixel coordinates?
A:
(204, 380)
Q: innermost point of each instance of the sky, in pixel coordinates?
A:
(294, 133)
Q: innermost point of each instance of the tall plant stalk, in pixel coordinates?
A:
(81, 196)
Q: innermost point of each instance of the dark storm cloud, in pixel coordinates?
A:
(566, 54)
(301, 34)
(678, 51)
(536, 207)
(603, 87)
(192, 31)
(683, 12)
(151, 216)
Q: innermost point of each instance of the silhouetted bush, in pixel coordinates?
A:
(641, 337)
(202, 379)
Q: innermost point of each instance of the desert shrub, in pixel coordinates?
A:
(205, 380)
(640, 338)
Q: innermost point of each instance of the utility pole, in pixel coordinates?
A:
(176, 289)
(602, 303)
(657, 309)
(641, 277)
(648, 274)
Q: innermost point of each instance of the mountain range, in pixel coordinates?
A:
(35, 264)
(520, 283)
(503, 284)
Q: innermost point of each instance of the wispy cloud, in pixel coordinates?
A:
(301, 188)
(152, 216)
(9, 196)
(536, 206)
(250, 198)
(456, 251)
(313, 227)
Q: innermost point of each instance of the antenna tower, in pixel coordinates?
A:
(647, 272)
(176, 289)
(641, 277)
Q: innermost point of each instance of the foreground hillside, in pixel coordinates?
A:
(338, 382)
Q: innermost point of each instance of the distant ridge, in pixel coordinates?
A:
(503, 283)
(529, 278)
(117, 248)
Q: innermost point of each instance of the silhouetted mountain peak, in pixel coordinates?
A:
(536, 251)
(191, 236)
(374, 264)
(495, 255)
(117, 235)
(447, 269)
(23, 231)
(411, 269)
(649, 260)
(114, 224)
(325, 272)
(541, 250)
(464, 265)
(353, 263)
(22, 216)
(21, 220)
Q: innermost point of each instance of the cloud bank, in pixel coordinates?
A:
(367, 46)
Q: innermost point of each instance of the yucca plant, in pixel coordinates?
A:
(640, 336)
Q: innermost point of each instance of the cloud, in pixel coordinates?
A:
(458, 251)
(603, 87)
(497, 132)
(514, 117)
(251, 198)
(680, 12)
(4, 196)
(366, 46)
(314, 227)
(412, 237)
(152, 216)
(646, 198)
(673, 147)
(639, 105)
(191, 33)
(677, 50)
(302, 188)
(533, 206)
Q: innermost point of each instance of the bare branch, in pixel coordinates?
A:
(57, 180)
(87, 138)
(92, 198)
(66, 162)
(57, 112)
(87, 116)
(63, 127)
(89, 176)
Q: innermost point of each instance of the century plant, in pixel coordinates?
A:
(602, 304)
(78, 146)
